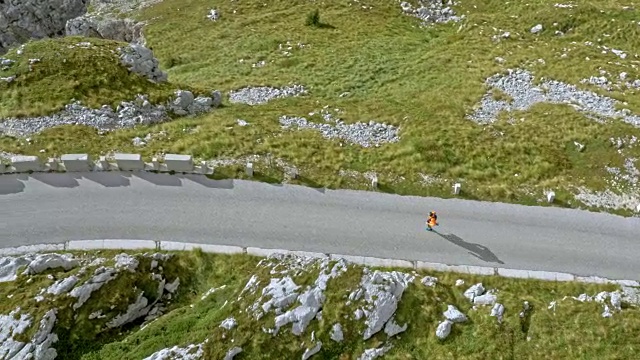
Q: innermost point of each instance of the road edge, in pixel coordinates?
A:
(130, 244)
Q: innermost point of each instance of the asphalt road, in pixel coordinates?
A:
(52, 208)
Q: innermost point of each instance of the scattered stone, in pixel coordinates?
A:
(431, 11)
(498, 311)
(429, 281)
(264, 94)
(459, 282)
(336, 333)
(140, 60)
(229, 323)
(616, 300)
(518, 85)
(101, 276)
(473, 291)
(631, 295)
(126, 261)
(191, 352)
(172, 287)
(310, 352)
(241, 122)
(579, 147)
(486, 299)
(43, 262)
(536, 29)
(607, 199)
(393, 329)
(606, 313)
(214, 15)
(444, 329)
(63, 286)
(453, 314)
(363, 134)
(372, 354)
(9, 267)
(232, 353)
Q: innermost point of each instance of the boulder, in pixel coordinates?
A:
(486, 299)
(232, 353)
(453, 314)
(140, 60)
(125, 30)
(444, 329)
(228, 323)
(44, 262)
(336, 333)
(63, 286)
(473, 291)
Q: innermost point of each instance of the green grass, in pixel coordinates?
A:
(423, 80)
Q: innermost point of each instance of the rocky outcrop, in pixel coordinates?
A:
(126, 30)
(140, 60)
(32, 19)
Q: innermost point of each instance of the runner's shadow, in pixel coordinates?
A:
(480, 251)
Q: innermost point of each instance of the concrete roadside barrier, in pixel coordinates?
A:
(110, 244)
(208, 248)
(179, 163)
(22, 164)
(76, 162)
(129, 162)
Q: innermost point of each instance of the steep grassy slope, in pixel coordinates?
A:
(215, 288)
(423, 79)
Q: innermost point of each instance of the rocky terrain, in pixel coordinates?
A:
(296, 305)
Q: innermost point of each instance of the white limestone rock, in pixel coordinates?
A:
(43, 262)
(444, 329)
(63, 286)
(473, 291)
(453, 314)
(336, 333)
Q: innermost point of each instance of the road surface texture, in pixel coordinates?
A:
(52, 208)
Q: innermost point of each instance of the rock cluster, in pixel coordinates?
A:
(25, 19)
(263, 94)
(518, 84)
(127, 114)
(126, 30)
(381, 292)
(432, 11)
(140, 60)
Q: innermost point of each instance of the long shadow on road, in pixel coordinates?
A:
(480, 251)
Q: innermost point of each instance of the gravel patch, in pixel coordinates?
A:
(263, 94)
(432, 11)
(518, 84)
(608, 199)
(363, 134)
(128, 114)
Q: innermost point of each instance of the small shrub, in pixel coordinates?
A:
(313, 18)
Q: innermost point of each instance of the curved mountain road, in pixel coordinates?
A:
(52, 208)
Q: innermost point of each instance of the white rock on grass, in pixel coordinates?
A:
(631, 295)
(101, 276)
(393, 329)
(616, 300)
(444, 329)
(126, 261)
(9, 267)
(336, 333)
(497, 311)
(453, 314)
(473, 291)
(63, 286)
(536, 29)
(372, 354)
(429, 281)
(232, 353)
(382, 293)
(43, 262)
(283, 293)
(486, 299)
(311, 300)
(312, 351)
(190, 352)
(431, 12)
(40, 345)
(228, 323)
(606, 313)
(459, 282)
(134, 311)
(173, 286)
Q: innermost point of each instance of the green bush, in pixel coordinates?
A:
(313, 18)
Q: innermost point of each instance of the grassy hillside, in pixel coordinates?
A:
(390, 69)
(68, 68)
(214, 288)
